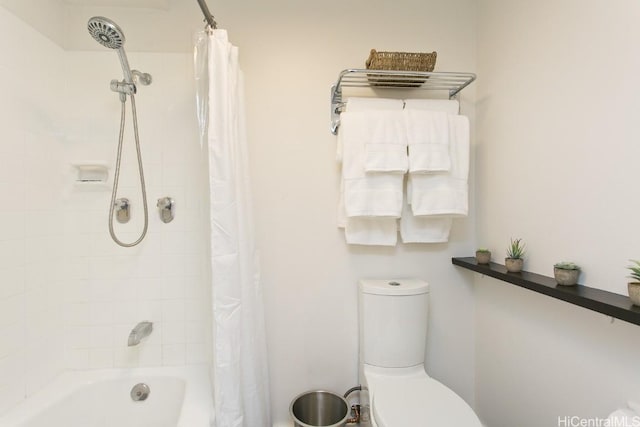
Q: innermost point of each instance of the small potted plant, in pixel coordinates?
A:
(634, 285)
(566, 273)
(483, 256)
(515, 256)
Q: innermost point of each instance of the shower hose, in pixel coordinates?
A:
(117, 174)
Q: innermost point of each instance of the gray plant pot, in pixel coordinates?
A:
(566, 277)
(634, 292)
(483, 257)
(514, 265)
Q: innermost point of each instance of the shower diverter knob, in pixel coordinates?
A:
(166, 207)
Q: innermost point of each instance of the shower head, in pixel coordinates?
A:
(108, 34)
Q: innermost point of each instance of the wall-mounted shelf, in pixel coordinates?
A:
(614, 305)
(390, 79)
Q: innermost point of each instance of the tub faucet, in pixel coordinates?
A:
(141, 330)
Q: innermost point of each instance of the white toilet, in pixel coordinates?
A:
(393, 333)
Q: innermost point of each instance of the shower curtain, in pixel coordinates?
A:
(239, 365)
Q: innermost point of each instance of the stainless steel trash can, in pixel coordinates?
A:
(319, 409)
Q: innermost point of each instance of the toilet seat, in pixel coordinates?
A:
(417, 400)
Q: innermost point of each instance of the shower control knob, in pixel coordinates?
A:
(166, 207)
(123, 210)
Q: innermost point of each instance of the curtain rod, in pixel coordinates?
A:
(207, 15)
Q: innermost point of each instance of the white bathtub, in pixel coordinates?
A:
(179, 397)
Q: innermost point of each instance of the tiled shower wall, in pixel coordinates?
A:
(32, 255)
(68, 295)
(163, 279)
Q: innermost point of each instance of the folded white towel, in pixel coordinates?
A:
(428, 140)
(355, 104)
(384, 137)
(449, 106)
(366, 194)
(423, 229)
(445, 193)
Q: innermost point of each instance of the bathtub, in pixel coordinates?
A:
(179, 397)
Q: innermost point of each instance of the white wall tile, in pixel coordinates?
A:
(151, 355)
(173, 354)
(173, 333)
(101, 358)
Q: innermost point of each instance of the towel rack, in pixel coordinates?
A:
(391, 79)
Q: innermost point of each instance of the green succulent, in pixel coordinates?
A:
(564, 265)
(483, 250)
(516, 249)
(635, 270)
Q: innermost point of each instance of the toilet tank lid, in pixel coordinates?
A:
(394, 286)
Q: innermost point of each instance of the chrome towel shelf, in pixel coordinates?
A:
(390, 79)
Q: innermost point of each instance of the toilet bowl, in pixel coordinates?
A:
(398, 392)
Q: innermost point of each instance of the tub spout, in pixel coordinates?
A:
(141, 330)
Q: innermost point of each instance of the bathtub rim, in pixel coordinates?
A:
(197, 405)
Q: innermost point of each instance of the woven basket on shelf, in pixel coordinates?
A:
(399, 61)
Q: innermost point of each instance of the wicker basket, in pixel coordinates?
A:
(399, 61)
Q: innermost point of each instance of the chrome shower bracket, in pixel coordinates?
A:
(166, 207)
(125, 88)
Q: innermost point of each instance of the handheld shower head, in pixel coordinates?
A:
(106, 32)
(109, 34)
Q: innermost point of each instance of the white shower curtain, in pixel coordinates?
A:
(239, 365)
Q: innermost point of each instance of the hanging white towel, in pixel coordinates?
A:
(428, 140)
(355, 104)
(423, 229)
(366, 194)
(382, 231)
(449, 106)
(359, 189)
(445, 193)
(378, 231)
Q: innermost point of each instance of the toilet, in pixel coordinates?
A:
(397, 391)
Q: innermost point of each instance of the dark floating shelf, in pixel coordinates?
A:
(615, 305)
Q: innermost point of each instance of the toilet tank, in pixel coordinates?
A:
(393, 322)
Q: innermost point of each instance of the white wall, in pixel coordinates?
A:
(557, 133)
(291, 53)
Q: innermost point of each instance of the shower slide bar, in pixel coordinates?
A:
(208, 17)
(391, 79)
